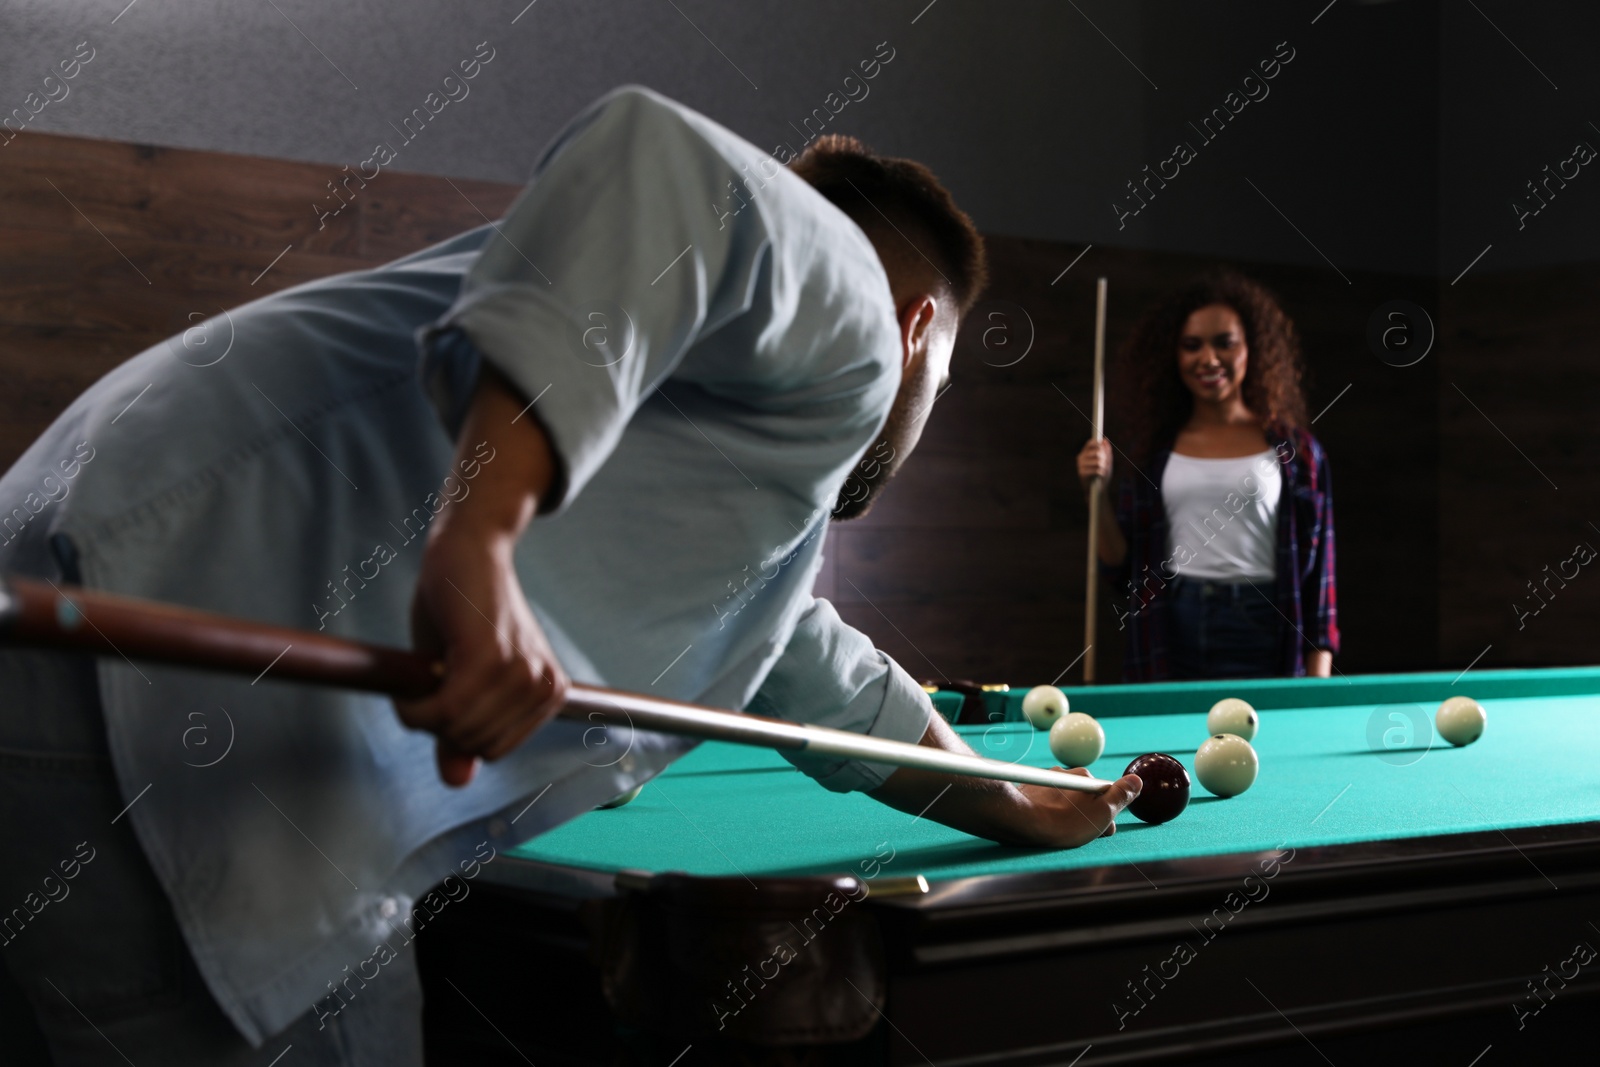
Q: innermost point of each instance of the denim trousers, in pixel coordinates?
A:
(1224, 629)
(97, 971)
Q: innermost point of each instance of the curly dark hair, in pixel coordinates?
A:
(1154, 404)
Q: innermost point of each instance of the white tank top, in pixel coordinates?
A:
(1222, 516)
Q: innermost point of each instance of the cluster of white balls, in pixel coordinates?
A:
(1226, 763)
(1076, 739)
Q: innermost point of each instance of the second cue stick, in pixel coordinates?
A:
(37, 613)
(1091, 595)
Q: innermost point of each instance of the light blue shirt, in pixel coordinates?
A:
(709, 345)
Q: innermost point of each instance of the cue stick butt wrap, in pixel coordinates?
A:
(39, 613)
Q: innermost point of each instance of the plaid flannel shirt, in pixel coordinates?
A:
(1305, 595)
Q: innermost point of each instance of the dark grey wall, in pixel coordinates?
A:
(1013, 109)
(1335, 163)
(1519, 89)
(1036, 113)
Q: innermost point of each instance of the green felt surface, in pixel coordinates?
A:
(1163, 698)
(1330, 774)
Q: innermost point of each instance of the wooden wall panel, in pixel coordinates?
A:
(972, 564)
(107, 248)
(405, 212)
(1520, 477)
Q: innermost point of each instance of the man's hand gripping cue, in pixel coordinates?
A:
(501, 680)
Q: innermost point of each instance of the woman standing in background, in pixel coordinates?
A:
(1220, 550)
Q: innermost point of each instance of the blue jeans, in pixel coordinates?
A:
(95, 956)
(1224, 629)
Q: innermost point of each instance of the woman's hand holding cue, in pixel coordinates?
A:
(1094, 462)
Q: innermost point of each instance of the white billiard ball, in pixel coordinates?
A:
(1076, 740)
(1460, 720)
(1043, 705)
(1231, 715)
(1226, 765)
(623, 798)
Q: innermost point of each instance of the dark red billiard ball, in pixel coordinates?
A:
(1166, 787)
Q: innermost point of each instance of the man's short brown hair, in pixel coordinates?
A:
(899, 204)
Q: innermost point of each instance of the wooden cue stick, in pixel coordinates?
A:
(41, 614)
(1091, 596)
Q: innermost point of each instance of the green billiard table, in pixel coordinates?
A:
(1375, 887)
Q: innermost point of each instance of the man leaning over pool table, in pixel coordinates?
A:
(645, 388)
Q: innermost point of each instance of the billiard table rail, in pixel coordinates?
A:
(1338, 939)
